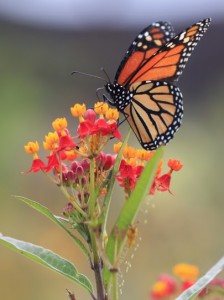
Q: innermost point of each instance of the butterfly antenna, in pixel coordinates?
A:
(105, 73)
(87, 74)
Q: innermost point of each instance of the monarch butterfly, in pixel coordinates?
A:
(144, 89)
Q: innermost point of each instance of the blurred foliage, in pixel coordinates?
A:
(36, 87)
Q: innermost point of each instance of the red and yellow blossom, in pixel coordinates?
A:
(60, 124)
(132, 165)
(95, 129)
(101, 108)
(51, 141)
(163, 288)
(78, 110)
(32, 148)
(112, 114)
(37, 164)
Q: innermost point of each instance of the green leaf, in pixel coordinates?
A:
(45, 211)
(195, 289)
(48, 259)
(129, 211)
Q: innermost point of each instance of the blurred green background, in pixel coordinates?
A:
(36, 87)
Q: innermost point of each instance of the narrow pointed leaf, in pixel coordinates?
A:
(195, 289)
(129, 211)
(45, 211)
(48, 259)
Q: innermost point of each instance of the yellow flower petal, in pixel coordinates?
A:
(32, 147)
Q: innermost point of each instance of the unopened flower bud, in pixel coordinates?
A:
(90, 115)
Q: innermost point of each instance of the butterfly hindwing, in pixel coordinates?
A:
(148, 41)
(155, 112)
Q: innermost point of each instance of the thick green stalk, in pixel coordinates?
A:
(115, 287)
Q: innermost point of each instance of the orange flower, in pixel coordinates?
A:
(78, 110)
(51, 141)
(186, 271)
(117, 147)
(142, 154)
(59, 124)
(129, 152)
(71, 155)
(112, 114)
(174, 164)
(32, 148)
(101, 108)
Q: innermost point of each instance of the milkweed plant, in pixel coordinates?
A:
(77, 163)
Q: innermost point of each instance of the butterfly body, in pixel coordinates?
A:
(145, 90)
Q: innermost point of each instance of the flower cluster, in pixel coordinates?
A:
(69, 158)
(185, 275)
(132, 165)
(93, 134)
(95, 129)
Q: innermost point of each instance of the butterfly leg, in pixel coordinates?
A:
(107, 100)
(97, 94)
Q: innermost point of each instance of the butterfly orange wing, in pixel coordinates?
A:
(166, 63)
(143, 47)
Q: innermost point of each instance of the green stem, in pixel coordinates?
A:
(92, 188)
(107, 199)
(97, 264)
(115, 287)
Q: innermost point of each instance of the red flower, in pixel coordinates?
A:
(161, 184)
(106, 128)
(66, 142)
(37, 165)
(127, 175)
(85, 128)
(92, 126)
(114, 130)
(186, 284)
(53, 162)
(105, 161)
(138, 170)
(164, 287)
